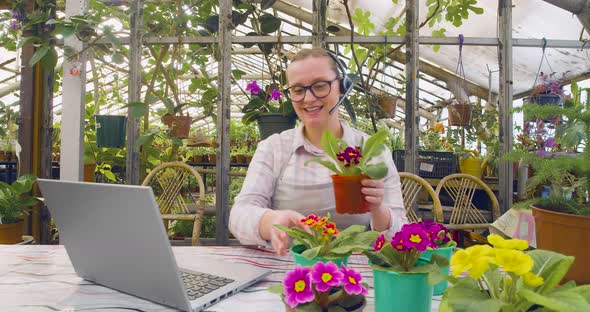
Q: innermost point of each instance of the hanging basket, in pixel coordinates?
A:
(179, 125)
(459, 114)
(387, 106)
(110, 130)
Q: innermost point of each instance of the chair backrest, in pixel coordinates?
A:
(173, 185)
(461, 188)
(412, 185)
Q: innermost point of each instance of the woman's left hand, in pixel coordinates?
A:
(373, 191)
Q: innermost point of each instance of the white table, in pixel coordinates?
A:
(41, 278)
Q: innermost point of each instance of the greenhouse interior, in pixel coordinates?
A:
(294, 155)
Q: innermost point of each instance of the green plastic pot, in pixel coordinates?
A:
(110, 130)
(302, 261)
(446, 252)
(396, 291)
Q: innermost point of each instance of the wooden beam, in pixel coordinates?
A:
(426, 68)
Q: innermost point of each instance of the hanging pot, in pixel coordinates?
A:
(348, 196)
(179, 125)
(271, 123)
(387, 106)
(110, 130)
(459, 114)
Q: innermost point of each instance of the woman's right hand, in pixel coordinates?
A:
(279, 239)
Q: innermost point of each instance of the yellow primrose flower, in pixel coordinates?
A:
(499, 242)
(533, 280)
(475, 260)
(514, 261)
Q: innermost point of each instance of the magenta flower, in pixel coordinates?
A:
(379, 242)
(275, 95)
(413, 236)
(550, 142)
(350, 156)
(352, 282)
(325, 275)
(253, 87)
(437, 232)
(298, 286)
(397, 242)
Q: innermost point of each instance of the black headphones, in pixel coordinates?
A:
(346, 84)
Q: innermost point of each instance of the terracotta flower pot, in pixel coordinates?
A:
(347, 192)
(459, 114)
(11, 233)
(567, 234)
(179, 125)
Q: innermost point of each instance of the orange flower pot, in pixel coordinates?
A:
(347, 191)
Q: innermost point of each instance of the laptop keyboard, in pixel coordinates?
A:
(198, 284)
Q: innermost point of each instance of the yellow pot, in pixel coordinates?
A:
(472, 165)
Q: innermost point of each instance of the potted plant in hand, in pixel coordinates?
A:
(323, 287)
(353, 164)
(13, 204)
(273, 114)
(324, 242)
(505, 278)
(401, 283)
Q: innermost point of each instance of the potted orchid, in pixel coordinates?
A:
(351, 164)
(505, 278)
(398, 275)
(323, 287)
(266, 106)
(324, 242)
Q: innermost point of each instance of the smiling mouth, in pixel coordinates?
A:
(313, 109)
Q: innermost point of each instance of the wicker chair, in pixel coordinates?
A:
(412, 185)
(174, 186)
(464, 215)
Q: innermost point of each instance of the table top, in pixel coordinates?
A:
(41, 278)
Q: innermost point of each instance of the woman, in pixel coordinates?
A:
(280, 189)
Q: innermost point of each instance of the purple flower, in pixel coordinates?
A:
(414, 236)
(275, 95)
(550, 142)
(298, 286)
(14, 14)
(542, 153)
(253, 87)
(379, 242)
(437, 233)
(350, 156)
(397, 242)
(325, 275)
(15, 25)
(352, 282)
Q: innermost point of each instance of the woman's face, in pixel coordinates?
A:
(313, 111)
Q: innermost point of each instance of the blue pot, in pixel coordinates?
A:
(396, 291)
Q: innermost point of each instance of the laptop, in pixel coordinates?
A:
(115, 237)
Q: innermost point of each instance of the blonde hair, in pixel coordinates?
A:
(315, 52)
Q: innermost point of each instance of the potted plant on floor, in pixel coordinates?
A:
(505, 278)
(351, 164)
(325, 242)
(562, 215)
(323, 287)
(14, 201)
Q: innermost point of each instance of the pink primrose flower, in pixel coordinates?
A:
(298, 286)
(352, 282)
(326, 275)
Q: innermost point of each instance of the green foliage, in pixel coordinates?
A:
(373, 147)
(14, 199)
(315, 244)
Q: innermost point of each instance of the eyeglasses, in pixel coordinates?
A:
(319, 89)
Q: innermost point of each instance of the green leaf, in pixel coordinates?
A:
(109, 175)
(269, 23)
(39, 54)
(551, 266)
(312, 252)
(330, 145)
(139, 109)
(32, 39)
(276, 289)
(376, 171)
(267, 4)
(558, 301)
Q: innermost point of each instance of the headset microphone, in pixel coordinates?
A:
(342, 98)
